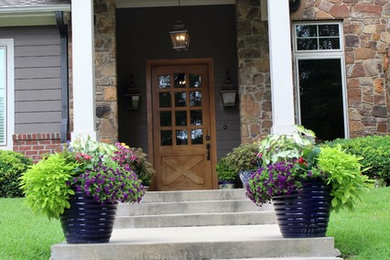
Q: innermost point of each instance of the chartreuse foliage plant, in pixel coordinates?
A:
(344, 175)
(46, 184)
(12, 166)
(375, 153)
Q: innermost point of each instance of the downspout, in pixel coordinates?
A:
(63, 29)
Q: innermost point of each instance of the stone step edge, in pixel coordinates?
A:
(189, 201)
(200, 214)
(197, 191)
(272, 248)
(282, 258)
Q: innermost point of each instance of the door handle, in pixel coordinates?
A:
(208, 147)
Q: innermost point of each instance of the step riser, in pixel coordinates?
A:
(189, 207)
(179, 251)
(176, 196)
(256, 218)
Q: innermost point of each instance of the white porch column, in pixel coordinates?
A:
(281, 66)
(83, 68)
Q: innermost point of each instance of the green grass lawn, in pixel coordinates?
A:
(363, 234)
(24, 235)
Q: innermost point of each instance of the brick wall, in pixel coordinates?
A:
(35, 145)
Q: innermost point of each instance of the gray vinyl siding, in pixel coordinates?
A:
(213, 34)
(37, 78)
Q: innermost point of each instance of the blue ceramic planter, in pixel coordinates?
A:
(304, 214)
(87, 221)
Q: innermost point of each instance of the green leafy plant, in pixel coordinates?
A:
(12, 166)
(375, 153)
(289, 161)
(242, 158)
(46, 184)
(96, 150)
(344, 175)
(277, 148)
(85, 166)
(225, 172)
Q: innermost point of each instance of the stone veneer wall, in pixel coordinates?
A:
(386, 62)
(105, 72)
(253, 71)
(366, 34)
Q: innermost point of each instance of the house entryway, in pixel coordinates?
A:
(181, 123)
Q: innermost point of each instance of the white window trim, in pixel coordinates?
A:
(340, 24)
(10, 93)
(318, 55)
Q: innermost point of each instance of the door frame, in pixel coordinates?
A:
(149, 108)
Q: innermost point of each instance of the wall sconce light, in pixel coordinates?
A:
(228, 92)
(132, 95)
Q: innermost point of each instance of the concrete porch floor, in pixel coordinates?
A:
(205, 242)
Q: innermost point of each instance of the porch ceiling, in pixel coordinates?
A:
(162, 3)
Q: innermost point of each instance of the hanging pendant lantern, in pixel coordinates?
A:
(180, 37)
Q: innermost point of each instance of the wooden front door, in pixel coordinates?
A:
(183, 124)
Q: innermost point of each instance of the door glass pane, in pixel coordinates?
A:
(165, 99)
(181, 118)
(165, 118)
(195, 80)
(181, 137)
(329, 43)
(164, 81)
(180, 80)
(306, 30)
(197, 136)
(195, 99)
(180, 99)
(321, 97)
(166, 137)
(196, 117)
(3, 75)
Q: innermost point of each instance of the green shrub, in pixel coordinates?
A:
(225, 173)
(375, 151)
(243, 158)
(12, 166)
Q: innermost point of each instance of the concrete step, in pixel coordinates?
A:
(217, 242)
(286, 258)
(205, 206)
(194, 195)
(196, 219)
